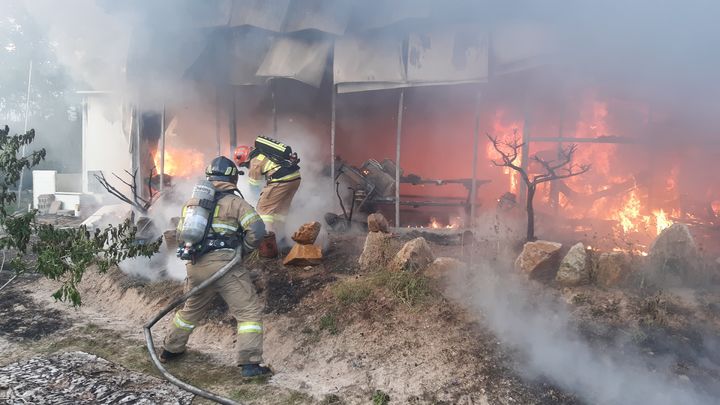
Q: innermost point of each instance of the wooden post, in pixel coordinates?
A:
(162, 149)
(25, 128)
(274, 107)
(554, 187)
(332, 136)
(217, 120)
(525, 153)
(401, 105)
(476, 145)
(232, 117)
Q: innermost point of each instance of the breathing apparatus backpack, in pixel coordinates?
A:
(197, 220)
(278, 153)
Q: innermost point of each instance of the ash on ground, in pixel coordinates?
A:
(82, 378)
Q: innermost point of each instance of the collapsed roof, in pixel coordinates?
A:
(362, 45)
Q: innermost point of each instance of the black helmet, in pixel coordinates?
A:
(222, 169)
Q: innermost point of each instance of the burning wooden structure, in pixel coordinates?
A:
(403, 83)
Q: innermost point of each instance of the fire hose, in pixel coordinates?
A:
(151, 346)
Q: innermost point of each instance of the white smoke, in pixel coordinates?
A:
(539, 327)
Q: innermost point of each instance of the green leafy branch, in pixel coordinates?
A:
(62, 254)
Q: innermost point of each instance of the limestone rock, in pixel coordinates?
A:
(674, 258)
(574, 269)
(442, 267)
(612, 269)
(44, 201)
(377, 251)
(170, 238)
(55, 206)
(307, 234)
(539, 260)
(303, 255)
(377, 223)
(416, 255)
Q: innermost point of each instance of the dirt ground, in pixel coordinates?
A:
(329, 345)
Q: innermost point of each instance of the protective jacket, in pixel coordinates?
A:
(261, 167)
(235, 219)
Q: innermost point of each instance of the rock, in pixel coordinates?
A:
(539, 260)
(55, 206)
(574, 269)
(307, 234)
(377, 251)
(414, 256)
(303, 255)
(442, 267)
(44, 201)
(612, 269)
(674, 258)
(170, 238)
(377, 223)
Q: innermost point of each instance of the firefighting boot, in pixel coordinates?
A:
(255, 370)
(166, 356)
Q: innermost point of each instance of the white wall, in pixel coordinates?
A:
(105, 146)
(43, 183)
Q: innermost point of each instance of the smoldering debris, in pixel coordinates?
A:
(538, 326)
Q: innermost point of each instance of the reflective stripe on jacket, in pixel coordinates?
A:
(262, 167)
(233, 215)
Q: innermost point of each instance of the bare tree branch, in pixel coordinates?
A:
(136, 201)
(562, 168)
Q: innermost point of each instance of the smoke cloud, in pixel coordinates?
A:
(538, 326)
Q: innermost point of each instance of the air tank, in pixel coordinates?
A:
(196, 217)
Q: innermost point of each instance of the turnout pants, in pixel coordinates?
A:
(238, 291)
(274, 205)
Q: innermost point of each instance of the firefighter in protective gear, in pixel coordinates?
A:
(274, 163)
(235, 225)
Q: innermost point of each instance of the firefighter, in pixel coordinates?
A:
(235, 224)
(277, 165)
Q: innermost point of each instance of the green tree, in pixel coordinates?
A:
(62, 254)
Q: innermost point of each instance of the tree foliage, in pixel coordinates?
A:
(62, 254)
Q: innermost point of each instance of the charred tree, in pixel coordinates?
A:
(561, 168)
(137, 201)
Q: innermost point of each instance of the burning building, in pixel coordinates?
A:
(417, 85)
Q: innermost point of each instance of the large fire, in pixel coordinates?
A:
(181, 162)
(609, 192)
(505, 129)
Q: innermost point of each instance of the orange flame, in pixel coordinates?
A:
(661, 221)
(436, 224)
(505, 130)
(181, 162)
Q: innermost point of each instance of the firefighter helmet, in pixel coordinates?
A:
(242, 154)
(222, 169)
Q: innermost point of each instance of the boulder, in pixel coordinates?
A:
(612, 269)
(377, 251)
(377, 223)
(44, 201)
(307, 234)
(414, 256)
(303, 255)
(539, 260)
(55, 207)
(574, 269)
(674, 257)
(442, 267)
